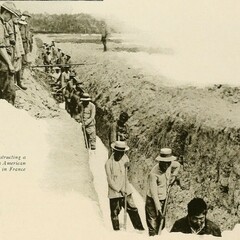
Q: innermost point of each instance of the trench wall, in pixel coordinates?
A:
(207, 148)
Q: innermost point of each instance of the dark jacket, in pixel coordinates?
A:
(118, 133)
(182, 225)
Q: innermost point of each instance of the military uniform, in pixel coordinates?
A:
(7, 89)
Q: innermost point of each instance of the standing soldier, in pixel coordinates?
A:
(19, 52)
(119, 187)
(119, 130)
(160, 179)
(7, 90)
(31, 39)
(87, 112)
(24, 35)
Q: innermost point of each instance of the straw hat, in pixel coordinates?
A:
(120, 146)
(85, 97)
(166, 155)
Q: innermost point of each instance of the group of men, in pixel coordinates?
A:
(51, 55)
(160, 180)
(71, 90)
(16, 41)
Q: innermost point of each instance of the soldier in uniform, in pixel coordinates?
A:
(7, 90)
(19, 52)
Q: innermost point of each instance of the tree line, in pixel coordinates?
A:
(67, 23)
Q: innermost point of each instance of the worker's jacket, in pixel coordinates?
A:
(209, 228)
(158, 182)
(115, 171)
(87, 114)
(3, 43)
(118, 133)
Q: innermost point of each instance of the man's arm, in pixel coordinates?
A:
(111, 183)
(175, 167)
(6, 57)
(154, 192)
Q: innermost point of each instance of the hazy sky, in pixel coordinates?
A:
(204, 34)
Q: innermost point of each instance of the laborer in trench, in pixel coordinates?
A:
(7, 89)
(119, 130)
(76, 94)
(162, 175)
(68, 91)
(87, 112)
(47, 60)
(118, 186)
(196, 222)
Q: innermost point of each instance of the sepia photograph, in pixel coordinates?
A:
(119, 120)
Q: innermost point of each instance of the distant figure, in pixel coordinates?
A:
(87, 110)
(104, 41)
(196, 222)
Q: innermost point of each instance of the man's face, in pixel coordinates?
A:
(15, 20)
(118, 155)
(85, 103)
(123, 119)
(7, 16)
(163, 166)
(197, 221)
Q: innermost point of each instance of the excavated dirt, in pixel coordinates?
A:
(201, 125)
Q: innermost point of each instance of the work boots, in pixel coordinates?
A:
(18, 80)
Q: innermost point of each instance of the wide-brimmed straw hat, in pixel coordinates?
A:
(85, 97)
(166, 155)
(119, 146)
(10, 7)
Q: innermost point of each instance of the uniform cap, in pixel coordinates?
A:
(10, 7)
(26, 13)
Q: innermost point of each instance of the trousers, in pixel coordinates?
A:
(91, 137)
(152, 218)
(7, 88)
(116, 204)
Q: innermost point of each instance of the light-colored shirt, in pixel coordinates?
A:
(88, 114)
(115, 171)
(158, 182)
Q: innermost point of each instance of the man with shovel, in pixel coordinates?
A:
(160, 180)
(119, 190)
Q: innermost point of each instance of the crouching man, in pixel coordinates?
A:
(196, 222)
(119, 187)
